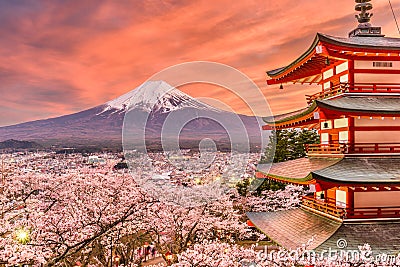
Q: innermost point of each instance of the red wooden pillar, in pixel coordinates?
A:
(351, 74)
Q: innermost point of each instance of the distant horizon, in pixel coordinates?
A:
(88, 53)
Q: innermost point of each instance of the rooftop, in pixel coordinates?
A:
(307, 67)
(363, 103)
(357, 103)
(293, 228)
(383, 237)
(350, 170)
(297, 170)
(362, 170)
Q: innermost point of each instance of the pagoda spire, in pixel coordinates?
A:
(363, 6)
(364, 28)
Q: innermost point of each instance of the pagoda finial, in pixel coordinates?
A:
(364, 28)
(363, 6)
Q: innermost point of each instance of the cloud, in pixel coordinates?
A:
(59, 57)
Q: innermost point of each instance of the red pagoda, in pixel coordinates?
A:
(354, 171)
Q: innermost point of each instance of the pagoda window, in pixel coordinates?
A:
(382, 64)
(340, 123)
(327, 85)
(326, 125)
(324, 138)
(342, 67)
(341, 198)
(344, 78)
(343, 137)
(327, 74)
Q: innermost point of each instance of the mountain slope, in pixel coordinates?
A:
(153, 103)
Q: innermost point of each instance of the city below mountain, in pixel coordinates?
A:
(154, 108)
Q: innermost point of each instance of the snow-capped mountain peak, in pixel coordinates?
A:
(155, 96)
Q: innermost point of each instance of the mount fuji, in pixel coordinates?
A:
(154, 107)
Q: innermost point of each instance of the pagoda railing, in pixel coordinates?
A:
(324, 206)
(373, 212)
(356, 148)
(324, 149)
(332, 91)
(374, 88)
(328, 206)
(355, 88)
(366, 148)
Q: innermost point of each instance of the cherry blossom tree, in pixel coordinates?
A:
(216, 254)
(173, 228)
(91, 215)
(284, 199)
(63, 216)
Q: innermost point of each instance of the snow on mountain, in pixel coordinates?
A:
(154, 96)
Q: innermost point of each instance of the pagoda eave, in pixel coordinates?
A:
(286, 180)
(327, 50)
(300, 118)
(380, 105)
(361, 171)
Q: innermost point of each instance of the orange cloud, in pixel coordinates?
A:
(60, 57)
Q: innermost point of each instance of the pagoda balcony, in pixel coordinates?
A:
(373, 212)
(328, 208)
(352, 149)
(354, 88)
(323, 206)
(320, 149)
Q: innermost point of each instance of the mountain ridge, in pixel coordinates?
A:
(102, 125)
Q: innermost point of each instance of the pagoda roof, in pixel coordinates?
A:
(347, 170)
(362, 170)
(352, 104)
(371, 42)
(304, 113)
(293, 228)
(307, 68)
(297, 171)
(373, 104)
(286, 116)
(383, 237)
(290, 115)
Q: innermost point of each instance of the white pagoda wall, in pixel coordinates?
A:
(377, 136)
(369, 64)
(376, 77)
(376, 122)
(376, 199)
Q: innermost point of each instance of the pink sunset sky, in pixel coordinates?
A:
(60, 57)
